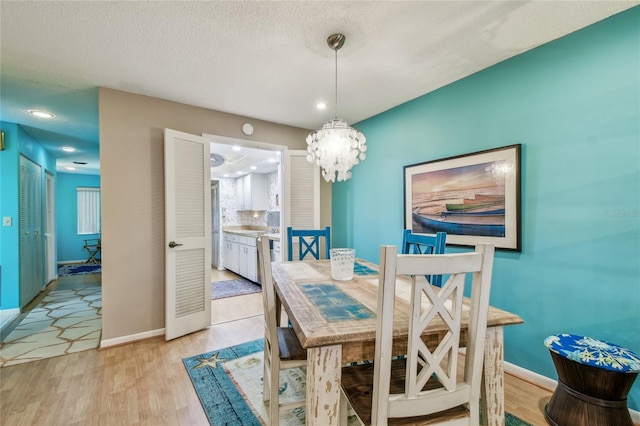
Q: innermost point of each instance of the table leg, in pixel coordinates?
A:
(323, 385)
(278, 311)
(493, 378)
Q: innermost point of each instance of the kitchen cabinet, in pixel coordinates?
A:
(248, 262)
(240, 255)
(230, 253)
(275, 254)
(251, 192)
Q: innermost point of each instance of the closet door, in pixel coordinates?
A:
(30, 228)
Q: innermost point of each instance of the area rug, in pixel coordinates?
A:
(78, 269)
(228, 383)
(230, 288)
(65, 321)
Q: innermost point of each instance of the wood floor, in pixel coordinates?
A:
(145, 382)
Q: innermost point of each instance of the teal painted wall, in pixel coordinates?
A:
(9, 162)
(69, 243)
(574, 105)
(17, 142)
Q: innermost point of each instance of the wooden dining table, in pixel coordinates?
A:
(335, 322)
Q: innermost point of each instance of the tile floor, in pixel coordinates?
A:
(65, 321)
(67, 318)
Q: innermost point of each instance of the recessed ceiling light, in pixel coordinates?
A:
(239, 172)
(41, 114)
(272, 160)
(253, 167)
(70, 168)
(68, 149)
(236, 148)
(321, 105)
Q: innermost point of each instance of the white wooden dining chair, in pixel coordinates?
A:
(282, 348)
(423, 387)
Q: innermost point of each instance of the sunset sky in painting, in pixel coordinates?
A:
(476, 176)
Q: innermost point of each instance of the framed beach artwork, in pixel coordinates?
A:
(474, 198)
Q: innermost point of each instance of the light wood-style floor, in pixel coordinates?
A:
(228, 309)
(145, 382)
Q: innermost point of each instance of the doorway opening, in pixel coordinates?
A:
(231, 160)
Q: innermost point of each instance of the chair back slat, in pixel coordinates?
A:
(431, 377)
(413, 243)
(268, 294)
(308, 242)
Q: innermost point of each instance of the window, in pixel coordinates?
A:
(88, 211)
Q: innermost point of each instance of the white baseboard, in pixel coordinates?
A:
(8, 315)
(537, 379)
(131, 338)
(546, 383)
(66, 262)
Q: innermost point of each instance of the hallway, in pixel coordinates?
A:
(63, 319)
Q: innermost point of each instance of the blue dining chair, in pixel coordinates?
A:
(308, 242)
(425, 244)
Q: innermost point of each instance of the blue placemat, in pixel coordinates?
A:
(334, 304)
(360, 269)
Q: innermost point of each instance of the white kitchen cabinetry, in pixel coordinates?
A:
(241, 255)
(230, 253)
(252, 192)
(275, 255)
(248, 266)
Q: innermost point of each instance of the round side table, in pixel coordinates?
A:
(594, 378)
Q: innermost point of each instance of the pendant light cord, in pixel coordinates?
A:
(336, 109)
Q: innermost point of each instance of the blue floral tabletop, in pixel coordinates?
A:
(596, 353)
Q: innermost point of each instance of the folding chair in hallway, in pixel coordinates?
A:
(93, 247)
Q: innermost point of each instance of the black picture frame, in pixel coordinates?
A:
(474, 198)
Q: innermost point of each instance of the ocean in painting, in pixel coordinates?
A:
(460, 212)
(463, 201)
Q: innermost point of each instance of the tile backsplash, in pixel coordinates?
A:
(228, 203)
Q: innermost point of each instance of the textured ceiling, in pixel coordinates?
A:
(266, 60)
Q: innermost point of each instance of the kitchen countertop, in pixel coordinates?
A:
(274, 237)
(251, 231)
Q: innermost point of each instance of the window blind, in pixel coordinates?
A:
(88, 211)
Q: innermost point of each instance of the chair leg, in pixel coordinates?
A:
(344, 409)
(274, 403)
(266, 378)
(474, 412)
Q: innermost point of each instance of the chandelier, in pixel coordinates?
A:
(336, 147)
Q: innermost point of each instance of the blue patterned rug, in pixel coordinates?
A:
(78, 269)
(230, 288)
(228, 383)
(220, 398)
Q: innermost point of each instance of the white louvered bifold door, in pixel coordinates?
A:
(302, 193)
(187, 233)
(30, 229)
(50, 270)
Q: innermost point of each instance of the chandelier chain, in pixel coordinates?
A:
(336, 108)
